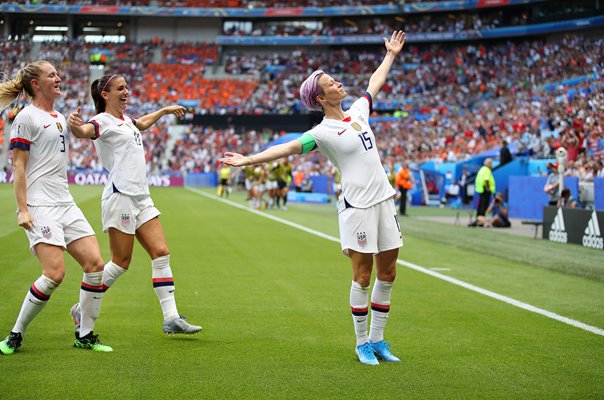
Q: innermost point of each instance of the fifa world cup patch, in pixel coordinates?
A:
(362, 239)
(46, 232)
(125, 219)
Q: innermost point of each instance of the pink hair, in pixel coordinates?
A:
(310, 89)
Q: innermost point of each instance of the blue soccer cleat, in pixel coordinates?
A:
(366, 355)
(382, 350)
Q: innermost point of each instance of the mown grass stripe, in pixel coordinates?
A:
(469, 286)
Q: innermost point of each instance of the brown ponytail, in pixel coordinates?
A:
(97, 87)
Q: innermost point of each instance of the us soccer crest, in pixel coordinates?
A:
(46, 233)
(362, 239)
(356, 126)
(125, 219)
(59, 127)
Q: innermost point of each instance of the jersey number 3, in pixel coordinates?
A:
(366, 140)
(62, 143)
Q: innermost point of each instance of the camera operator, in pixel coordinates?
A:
(499, 211)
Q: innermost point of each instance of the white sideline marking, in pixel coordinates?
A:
(440, 269)
(469, 286)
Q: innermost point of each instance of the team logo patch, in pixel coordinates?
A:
(46, 233)
(362, 239)
(125, 219)
(356, 126)
(59, 127)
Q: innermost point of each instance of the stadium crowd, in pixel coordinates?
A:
(417, 23)
(444, 103)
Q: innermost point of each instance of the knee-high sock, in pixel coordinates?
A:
(380, 306)
(111, 272)
(34, 302)
(358, 304)
(91, 296)
(163, 284)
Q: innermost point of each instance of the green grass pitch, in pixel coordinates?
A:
(273, 301)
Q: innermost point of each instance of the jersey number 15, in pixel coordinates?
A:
(366, 141)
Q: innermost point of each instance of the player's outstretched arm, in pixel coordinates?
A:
(148, 120)
(78, 127)
(393, 47)
(273, 153)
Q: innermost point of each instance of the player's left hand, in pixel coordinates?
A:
(396, 43)
(177, 110)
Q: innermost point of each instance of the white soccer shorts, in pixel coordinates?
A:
(127, 213)
(57, 226)
(370, 230)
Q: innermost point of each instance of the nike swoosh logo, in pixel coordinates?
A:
(96, 298)
(340, 133)
(170, 291)
(120, 124)
(46, 126)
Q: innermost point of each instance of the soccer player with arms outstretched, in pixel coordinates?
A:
(52, 221)
(127, 208)
(367, 216)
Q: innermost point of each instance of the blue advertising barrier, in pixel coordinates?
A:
(320, 184)
(599, 194)
(527, 198)
(301, 197)
(201, 179)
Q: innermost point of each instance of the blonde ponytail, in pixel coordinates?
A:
(20, 86)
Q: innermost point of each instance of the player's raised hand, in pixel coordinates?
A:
(396, 42)
(177, 110)
(75, 119)
(235, 159)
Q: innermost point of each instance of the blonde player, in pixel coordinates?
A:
(127, 208)
(52, 221)
(367, 216)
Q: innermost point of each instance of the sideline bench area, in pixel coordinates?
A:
(535, 223)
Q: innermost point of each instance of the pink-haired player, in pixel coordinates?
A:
(367, 216)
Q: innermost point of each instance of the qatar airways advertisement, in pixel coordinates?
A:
(92, 178)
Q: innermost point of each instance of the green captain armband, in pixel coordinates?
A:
(308, 143)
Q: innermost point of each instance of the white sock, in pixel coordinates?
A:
(380, 306)
(111, 272)
(34, 302)
(91, 295)
(163, 284)
(358, 304)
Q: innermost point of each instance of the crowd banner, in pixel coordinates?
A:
(572, 225)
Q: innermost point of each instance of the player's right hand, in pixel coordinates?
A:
(75, 119)
(234, 159)
(24, 220)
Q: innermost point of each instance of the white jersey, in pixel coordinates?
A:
(44, 135)
(119, 145)
(351, 147)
